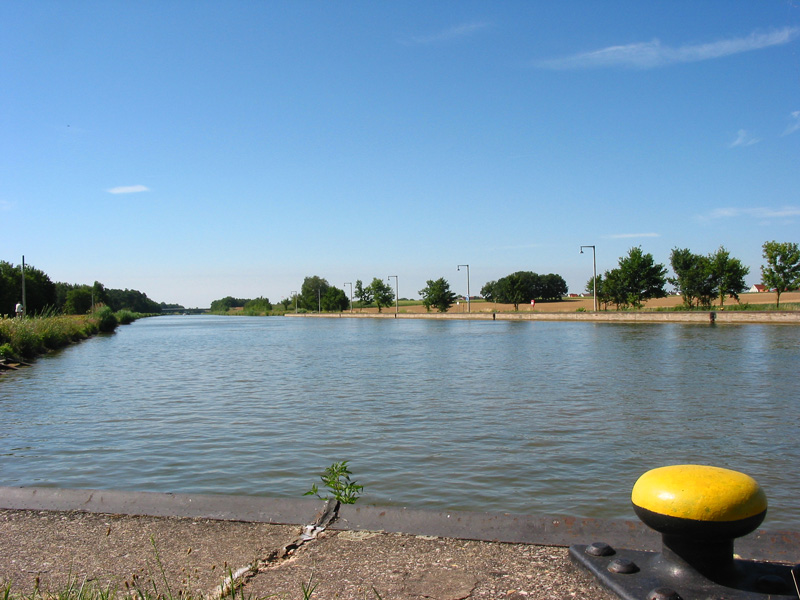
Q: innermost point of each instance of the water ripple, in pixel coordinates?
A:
(556, 418)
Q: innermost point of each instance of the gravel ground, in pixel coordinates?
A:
(56, 548)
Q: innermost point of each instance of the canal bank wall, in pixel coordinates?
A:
(702, 317)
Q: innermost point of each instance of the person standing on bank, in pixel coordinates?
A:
(19, 309)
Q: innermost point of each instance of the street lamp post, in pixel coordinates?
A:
(351, 294)
(396, 288)
(295, 301)
(594, 273)
(468, 299)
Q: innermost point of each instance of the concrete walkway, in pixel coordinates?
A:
(191, 543)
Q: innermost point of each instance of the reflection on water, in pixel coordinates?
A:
(546, 418)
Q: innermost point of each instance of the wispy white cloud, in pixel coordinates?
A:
(621, 236)
(743, 139)
(649, 55)
(757, 212)
(128, 189)
(452, 33)
(795, 123)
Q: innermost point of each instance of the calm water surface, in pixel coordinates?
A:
(525, 417)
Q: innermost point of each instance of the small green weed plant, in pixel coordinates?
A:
(337, 479)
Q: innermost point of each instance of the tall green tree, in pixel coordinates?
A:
(728, 274)
(782, 271)
(312, 291)
(552, 287)
(489, 291)
(517, 288)
(61, 293)
(10, 289)
(693, 277)
(79, 300)
(638, 278)
(40, 291)
(437, 294)
(364, 294)
(335, 299)
(599, 289)
(132, 300)
(382, 293)
(100, 294)
(614, 288)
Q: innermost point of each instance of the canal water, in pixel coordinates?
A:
(521, 417)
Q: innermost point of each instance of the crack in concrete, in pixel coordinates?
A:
(239, 578)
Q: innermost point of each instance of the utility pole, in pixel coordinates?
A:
(351, 294)
(594, 274)
(468, 300)
(24, 297)
(396, 292)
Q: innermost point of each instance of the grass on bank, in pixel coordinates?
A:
(744, 306)
(26, 338)
(89, 590)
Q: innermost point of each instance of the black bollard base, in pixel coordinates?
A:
(638, 575)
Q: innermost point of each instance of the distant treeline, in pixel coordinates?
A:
(254, 306)
(42, 294)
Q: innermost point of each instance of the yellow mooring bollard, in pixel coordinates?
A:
(698, 510)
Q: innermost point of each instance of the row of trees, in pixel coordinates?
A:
(637, 278)
(254, 306)
(42, 294)
(317, 294)
(524, 286)
(698, 278)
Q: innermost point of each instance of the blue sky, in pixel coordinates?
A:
(195, 150)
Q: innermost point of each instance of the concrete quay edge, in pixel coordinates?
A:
(783, 546)
(700, 317)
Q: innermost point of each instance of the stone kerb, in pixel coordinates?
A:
(705, 317)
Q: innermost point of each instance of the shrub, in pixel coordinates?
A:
(125, 317)
(106, 320)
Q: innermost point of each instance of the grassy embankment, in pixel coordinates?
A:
(26, 338)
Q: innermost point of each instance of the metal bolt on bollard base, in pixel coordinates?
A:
(699, 510)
